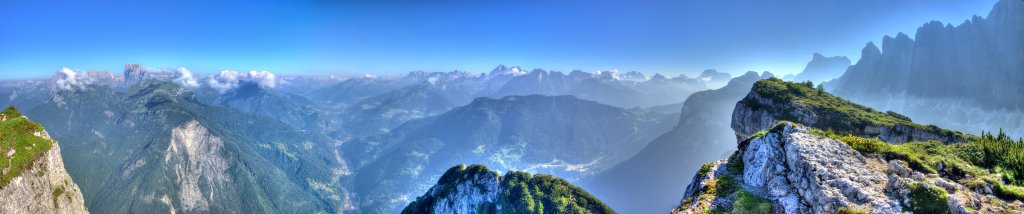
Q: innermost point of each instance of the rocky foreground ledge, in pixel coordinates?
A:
(41, 185)
(792, 169)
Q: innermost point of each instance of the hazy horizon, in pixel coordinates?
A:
(395, 37)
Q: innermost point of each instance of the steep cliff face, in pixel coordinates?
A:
(40, 186)
(199, 169)
(476, 189)
(964, 76)
(773, 100)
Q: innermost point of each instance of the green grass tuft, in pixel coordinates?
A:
(927, 199)
(56, 194)
(847, 210)
(834, 113)
(749, 203)
(17, 134)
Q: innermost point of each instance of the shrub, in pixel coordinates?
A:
(899, 116)
(704, 169)
(1008, 192)
(725, 185)
(749, 203)
(847, 210)
(927, 199)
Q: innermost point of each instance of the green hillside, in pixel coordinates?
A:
(833, 113)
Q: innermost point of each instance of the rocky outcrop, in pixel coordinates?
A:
(758, 112)
(805, 173)
(463, 190)
(797, 171)
(134, 72)
(476, 189)
(45, 188)
(199, 169)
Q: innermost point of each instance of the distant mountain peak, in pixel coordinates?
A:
(505, 70)
(870, 51)
(822, 68)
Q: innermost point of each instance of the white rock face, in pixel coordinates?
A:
(809, 174)
(199, 168)
(800, 172)
(34, 191)
(469, 195)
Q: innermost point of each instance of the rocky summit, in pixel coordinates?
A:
(477, 189)
(836, 164)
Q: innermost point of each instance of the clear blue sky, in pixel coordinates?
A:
(37, 37)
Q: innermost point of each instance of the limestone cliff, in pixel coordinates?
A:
(41, 185)
(791, 169)
(476, 189)
(802, 150)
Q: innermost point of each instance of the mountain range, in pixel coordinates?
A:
(165, 140)
(965, 76)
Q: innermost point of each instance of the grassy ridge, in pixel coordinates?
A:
(16, 134)
(835, 113)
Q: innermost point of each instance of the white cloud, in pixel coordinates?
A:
(230, 79)
(67, 79)
(186, 79)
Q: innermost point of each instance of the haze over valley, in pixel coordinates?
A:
(922, 116)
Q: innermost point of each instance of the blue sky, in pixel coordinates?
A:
(395, 36)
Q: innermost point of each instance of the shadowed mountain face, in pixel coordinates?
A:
(156, 148)
(964, 77)
(293, 110)
(652, 180)
(367, 106)
(559, 135)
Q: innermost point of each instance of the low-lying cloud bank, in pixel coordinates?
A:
(67, 79)
(230, 79)
(186, 79)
